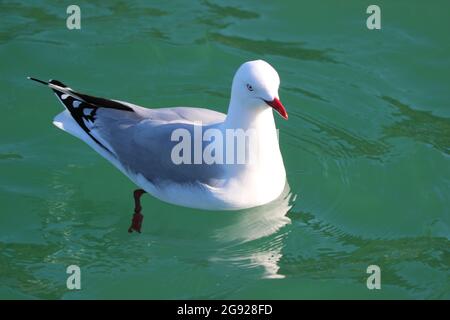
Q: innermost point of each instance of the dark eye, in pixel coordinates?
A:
(249, 87)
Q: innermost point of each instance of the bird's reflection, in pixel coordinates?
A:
(255, 236)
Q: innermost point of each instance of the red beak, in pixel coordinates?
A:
(277, 105)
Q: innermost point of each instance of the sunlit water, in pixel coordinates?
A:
(366, 150)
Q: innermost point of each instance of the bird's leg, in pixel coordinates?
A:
(136, 221)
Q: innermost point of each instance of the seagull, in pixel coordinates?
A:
(141, 143)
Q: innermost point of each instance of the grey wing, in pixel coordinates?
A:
(142, 142)
(177, 114)
(139, 138)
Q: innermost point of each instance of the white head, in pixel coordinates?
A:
(255, 85)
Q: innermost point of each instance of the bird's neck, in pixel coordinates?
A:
(257, 122)
(257, 117)
(265, 172)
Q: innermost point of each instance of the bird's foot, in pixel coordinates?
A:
(136, 221)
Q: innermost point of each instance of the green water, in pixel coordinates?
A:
(366, 150)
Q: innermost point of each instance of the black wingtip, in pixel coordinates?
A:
(37, 80)
(57, 83)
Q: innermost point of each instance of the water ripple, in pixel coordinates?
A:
(421, 126)
(294, 50)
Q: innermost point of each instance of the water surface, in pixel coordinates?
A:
(366, 150)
